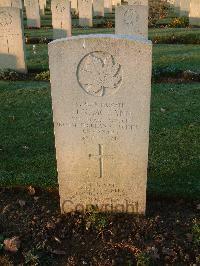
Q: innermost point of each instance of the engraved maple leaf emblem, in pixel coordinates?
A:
(5, 18)
(99, 74)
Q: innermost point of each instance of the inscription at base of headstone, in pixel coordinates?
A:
(101, 109)
(61, 18)
(131, 20)
(12, 45)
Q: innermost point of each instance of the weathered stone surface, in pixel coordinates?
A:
(194, 12)
(61, 18)
(108, 6)
(131, 20)
(101, 104)
(138, 2)
(74, 6)
(12, 40)
(85, 13)
(33, 13)
(116, 2)
(98, 8)
(11, 3)
(42, 5)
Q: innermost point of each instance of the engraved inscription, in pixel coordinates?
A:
(99, 74)
(5, 19)
(100, 157)
(131, 17)
(107, 119)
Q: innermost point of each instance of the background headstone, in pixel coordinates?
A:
(11, 3)
(101, 105)
(61, 18)
(85, 13)
(108, 6)
(42, 5)
(138, 2)
(194, 15)
(74, 6)
(131, 20)
(184, 7)
(33, 13)
(98, 8)
(12, 45)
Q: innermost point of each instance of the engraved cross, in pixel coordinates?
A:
(100, 157)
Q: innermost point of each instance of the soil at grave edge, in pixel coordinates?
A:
(169, 234)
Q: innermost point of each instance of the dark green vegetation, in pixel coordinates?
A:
(27, 142)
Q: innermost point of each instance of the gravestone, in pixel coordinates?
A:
(138, 2)
(184, 7)
(108, 6)
(177, 6)
(194, 15)
(42, 5)
(98, 8)
(11, 3)
(12, 45)
(101, 108)
(61, 18)
(85, 13)
(74, 6)
(131, 20)
(33, 14)
(116, 2)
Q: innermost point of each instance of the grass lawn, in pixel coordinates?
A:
(27, 142)
(178, 57)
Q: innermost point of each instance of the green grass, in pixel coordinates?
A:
(27, 142)
(180, 57)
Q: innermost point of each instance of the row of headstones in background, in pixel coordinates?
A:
(12, 45)
(187, 8)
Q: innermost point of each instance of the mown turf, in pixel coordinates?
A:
(27, 143)
(176, 57)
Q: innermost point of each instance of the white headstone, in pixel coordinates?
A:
(61, 18)
(42, 5)
(33, 13)
(194, 15)
(12, 40)
(11, 3)
(184, 7)
(116, 2)
(108, 6)
(98, 8)
(85, 13)
(74, 6)
(101, 105)
(138, 2)
(131, 20)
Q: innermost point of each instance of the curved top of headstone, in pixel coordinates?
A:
(135, 38)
